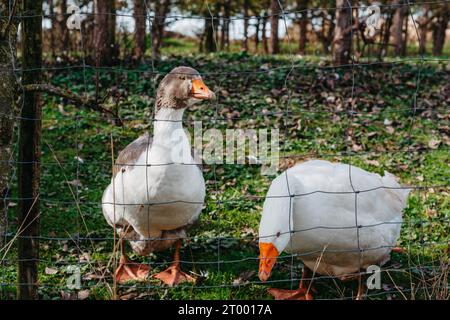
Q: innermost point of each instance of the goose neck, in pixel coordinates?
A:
(167, 120)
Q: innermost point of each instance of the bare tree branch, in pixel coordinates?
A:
(87, 102)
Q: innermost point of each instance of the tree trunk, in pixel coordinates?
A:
(162, 8)
(115, 48)
(329, 33)
(274, 41)
(405, 34)
(52, 28)
(104, 32)
(140, 18)
(29, 154)
(397, 27)
(217, 9)
(325, 35)
(439, 29)
(62, 31)
(226, 23)
(386, 35)
(303, 24)
(7, 110)
(423, 29)
(210, 44)
(246, 17)
(342, 35)
(87, 29)
(223, 32)
(210, 30)
(258, 22)
(263, 34)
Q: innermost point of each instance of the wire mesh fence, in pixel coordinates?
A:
(79, 251)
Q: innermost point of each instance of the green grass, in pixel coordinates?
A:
(316, 127)
(190, 46)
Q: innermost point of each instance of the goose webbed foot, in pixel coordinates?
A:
(131, 271)
(283, 294)
(302, 293)
(173, 275)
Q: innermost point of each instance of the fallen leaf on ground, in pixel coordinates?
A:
(373, 162)
(390, 129)
(129, 296)
(434, 143)
(50, 270)
(243, 277)
(76, 183)
(68, 295)
(83, 294)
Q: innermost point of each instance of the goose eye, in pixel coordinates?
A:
(182, 78)
(278, 234)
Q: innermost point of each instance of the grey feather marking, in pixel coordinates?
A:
(128, 156)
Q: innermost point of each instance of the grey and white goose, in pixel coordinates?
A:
(154, 196)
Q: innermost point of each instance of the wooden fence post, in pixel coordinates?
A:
(29, 152)
(8, 87)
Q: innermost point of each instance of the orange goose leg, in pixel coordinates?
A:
(128, 270)
(302, 293)
(173, 275)
(361, 294)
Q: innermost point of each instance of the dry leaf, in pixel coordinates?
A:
(434, 143)
(76, 183)
(275, 92)
(129, 296)
(144, 294)
(68, 295)
(373, 162)
(62, 111)
(85, 256)
(387, 122)
(93, 276)
(265, 66)
(80, 160)
(390, 129)
(357, 147)
(243, 277)
(83, 294)
(224, 93)
(50, 270)
(430, 212)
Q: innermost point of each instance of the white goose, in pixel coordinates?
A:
(321, 227)
(156, 194)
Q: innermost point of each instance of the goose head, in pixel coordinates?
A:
(181, 88)
(274, 238)
(275, 227)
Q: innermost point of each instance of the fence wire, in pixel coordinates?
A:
(98, 271)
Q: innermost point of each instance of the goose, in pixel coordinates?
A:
(155, 194)
(310, 212)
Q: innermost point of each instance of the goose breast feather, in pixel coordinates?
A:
(149, 195)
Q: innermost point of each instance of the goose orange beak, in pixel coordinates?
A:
(201, 91)
(268, 255)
